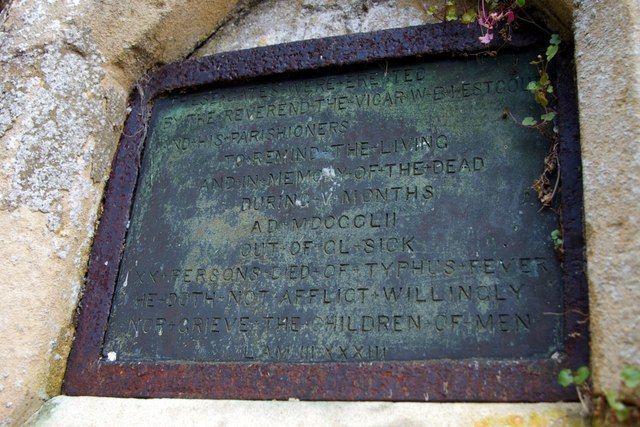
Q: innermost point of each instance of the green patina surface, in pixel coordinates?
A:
(382, 213)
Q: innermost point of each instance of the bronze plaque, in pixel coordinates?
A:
(382, 213)
(346, 218)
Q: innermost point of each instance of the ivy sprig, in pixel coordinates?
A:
(567, 377)
(621, 406)
(542, 89)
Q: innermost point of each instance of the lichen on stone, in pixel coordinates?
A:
(52, 94)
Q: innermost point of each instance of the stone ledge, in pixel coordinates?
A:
(104, 411)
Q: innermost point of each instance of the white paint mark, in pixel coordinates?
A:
(126, 280)
(328, 173)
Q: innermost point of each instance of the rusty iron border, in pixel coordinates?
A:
(88, 373)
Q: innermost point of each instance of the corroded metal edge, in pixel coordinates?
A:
(88, 373)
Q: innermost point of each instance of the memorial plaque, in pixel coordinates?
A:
(379, 214)
(339, 227)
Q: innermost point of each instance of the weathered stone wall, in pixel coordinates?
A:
(608, 68)
(67, 67)
(72, 412)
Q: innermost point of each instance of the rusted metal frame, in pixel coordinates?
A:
(396, 381)
(572, 216)
(443, 380)
(445, 39)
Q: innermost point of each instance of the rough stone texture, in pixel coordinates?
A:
(70, 412)
(66, 69)
(608, 68)
(309, 19)
(555, 15)
(52, 112)
(134, 36)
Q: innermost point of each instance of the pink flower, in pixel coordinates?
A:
(489, 21)
(510, 16)
(486, 39)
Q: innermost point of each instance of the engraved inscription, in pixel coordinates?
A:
(377, 214)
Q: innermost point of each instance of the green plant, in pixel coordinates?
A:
(542, 89)
(547, 184)
(578, 378)
(493, 14)
(623, 404)
(490, 15)
(620, 410)
(504, 14)
(558, 242)
(567, 377)
(614, 407)
(631, 377)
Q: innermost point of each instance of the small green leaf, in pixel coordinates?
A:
(556, 237)
(565, 378)
(550, 89)
(544, 78)
(581, 375)
(541, 98)
(452, 15)
(469, 16)
(432, 10)
(551, 51)
(533, 86)
(547, 117)
(631, 376)
(520, 3)
(612, 399)
(555, 39)
(622, 412)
